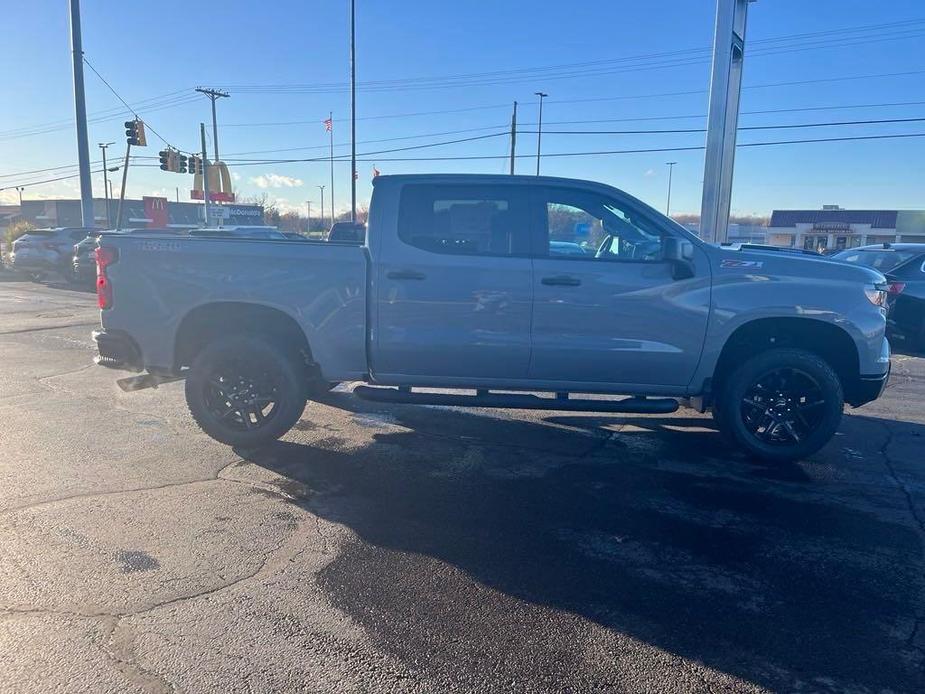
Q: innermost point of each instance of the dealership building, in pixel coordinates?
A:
(147, 212)
(833, 228)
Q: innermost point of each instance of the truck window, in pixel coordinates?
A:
(583, 225)
(464, 220)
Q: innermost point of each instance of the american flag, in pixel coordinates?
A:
(328, 125)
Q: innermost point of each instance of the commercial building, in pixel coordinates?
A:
(833, 228)
(136, 214)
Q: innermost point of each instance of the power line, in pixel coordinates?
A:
(566, 72)
(750, 127)
(691, 148)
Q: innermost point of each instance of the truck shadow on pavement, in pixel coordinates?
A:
(512, 548)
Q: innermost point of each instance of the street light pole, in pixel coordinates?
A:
(103, 146)
(670, 165)
(20, 189)
(353, 112)
(80, 108)
(309, 205)
(539, 131)
(321, 188)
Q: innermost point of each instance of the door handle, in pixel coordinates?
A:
(561, 281)
(405, 275)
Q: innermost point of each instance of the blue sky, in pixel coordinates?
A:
(146, 49)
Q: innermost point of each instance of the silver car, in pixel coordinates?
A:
(43, 251)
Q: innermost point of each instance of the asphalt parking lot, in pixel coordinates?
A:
(387, 548)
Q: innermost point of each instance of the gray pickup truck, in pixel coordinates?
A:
(533, 292)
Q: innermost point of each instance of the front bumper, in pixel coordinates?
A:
(117, 350)
(867, 388)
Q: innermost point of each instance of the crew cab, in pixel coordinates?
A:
(472, 283)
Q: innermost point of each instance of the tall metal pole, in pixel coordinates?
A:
(80, 108)
(513, 136)
(103, 146)
(353, 112)
(321, 188)
(723, 119)
(331, 133)
(670, 165)
(205, 174)
(128, 150)
(539, 131)
(308, 204)
(213, 95)
(20, 189)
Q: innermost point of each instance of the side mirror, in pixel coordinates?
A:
(680, 253)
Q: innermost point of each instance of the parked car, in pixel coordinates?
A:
(904, 267)
(43, 251)
(347, 232)
(83, 260)
(456, 287)
(249, 232)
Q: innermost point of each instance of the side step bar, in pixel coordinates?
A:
(148, 380)
(517, 401)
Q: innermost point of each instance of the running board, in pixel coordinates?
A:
(518, 401)
(133, 383)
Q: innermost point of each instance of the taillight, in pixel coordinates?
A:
(105, 257)
(896, 288)
(876, 294)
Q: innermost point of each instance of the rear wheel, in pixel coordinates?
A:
(245, 391)
(780, 405)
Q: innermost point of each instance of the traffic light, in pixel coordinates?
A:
(135, 133)
(164, 156)
(181, 163)
(194, 164)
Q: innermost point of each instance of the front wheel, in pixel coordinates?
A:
(245, 391)
(781, 405)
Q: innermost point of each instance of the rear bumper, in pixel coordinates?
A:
(117, 350)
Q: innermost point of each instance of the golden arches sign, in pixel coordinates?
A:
(220, 188)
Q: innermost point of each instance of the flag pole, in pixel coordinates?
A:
(331, 133)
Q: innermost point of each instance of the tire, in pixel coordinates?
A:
(781, 405)
(245, 391)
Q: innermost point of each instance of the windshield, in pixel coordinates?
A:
(882, 260)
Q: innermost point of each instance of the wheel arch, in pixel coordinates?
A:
(209, 321)
(830, 342)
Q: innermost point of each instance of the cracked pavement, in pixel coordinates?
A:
(398, 549)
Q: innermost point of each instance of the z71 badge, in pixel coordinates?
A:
(741, 264)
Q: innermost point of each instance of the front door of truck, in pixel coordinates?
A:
(455, 285)
(607, 308)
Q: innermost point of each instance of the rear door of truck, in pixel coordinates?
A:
(454, 284)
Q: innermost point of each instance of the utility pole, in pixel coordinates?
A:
(723, 118)
(80, 108)
(670, 165)
(128, 150)
(513, 136)
(205, 173)
(321, 188)
(331, 133)
(103, 146)
(213, 95)
(308, 203)
(539, 131)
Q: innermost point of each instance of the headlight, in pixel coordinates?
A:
(876, 294)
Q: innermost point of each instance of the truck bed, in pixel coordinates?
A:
(159, 282)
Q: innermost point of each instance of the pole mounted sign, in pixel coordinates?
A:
(723, 119)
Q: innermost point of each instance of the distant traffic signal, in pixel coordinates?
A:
(165, 156)
(135, 133)
(194, 164)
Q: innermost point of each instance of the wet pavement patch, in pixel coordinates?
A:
(134, 561)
